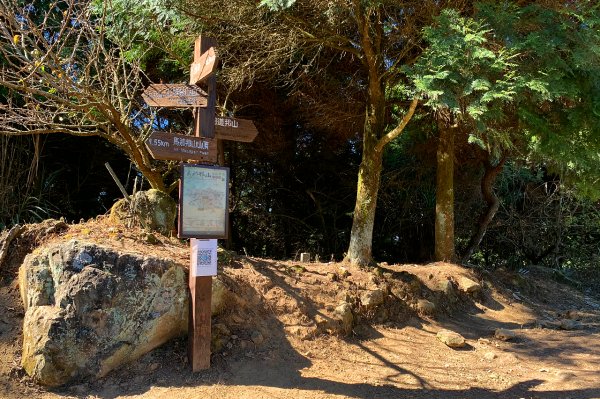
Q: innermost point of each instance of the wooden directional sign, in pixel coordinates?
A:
(174, 96)
(235, 129)
(202, 68)
(179, 147)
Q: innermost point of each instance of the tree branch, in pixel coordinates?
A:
(397, 131)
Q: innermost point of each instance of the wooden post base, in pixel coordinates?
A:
(199, 330)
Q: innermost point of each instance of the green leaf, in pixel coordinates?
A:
(481, 84)
(472, 139)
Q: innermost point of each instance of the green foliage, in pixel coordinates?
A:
(24, 196)
(150, 32)
(277, 5)
(464, 71)
(521, 76)
(559, 118)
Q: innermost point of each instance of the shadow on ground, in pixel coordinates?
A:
(277, 364)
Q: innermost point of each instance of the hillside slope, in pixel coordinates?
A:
(279, 337)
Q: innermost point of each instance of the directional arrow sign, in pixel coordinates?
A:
(235, 129)
(174, 96)
(203, 67)
(179, 147)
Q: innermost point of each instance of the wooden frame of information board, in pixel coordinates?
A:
(204, 201)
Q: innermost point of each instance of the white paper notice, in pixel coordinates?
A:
(204, 257)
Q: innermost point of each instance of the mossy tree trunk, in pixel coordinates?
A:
(369, 175)
(444, 198)
(371, 30)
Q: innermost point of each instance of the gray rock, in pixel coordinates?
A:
(447, 287)
(451, 338)
(370, 299)
(343, 314)
(568, 324)
(504, 334)
(469, 286)
(257, 337)
(152, 210)
(551, 324)
(90, 309)
(426, 307)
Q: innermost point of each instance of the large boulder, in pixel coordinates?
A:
(90, 309)
(152, 210)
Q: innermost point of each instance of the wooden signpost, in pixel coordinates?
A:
(179, 147)
(205, 117)
(175, 96)
(202, 68)
(235, 129)
(202, 147)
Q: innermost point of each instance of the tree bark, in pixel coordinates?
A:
(361, 236)
(12, 234)
(369, 173)
(444, 198)
(492, 201)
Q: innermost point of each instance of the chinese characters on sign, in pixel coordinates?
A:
(174, 96)
(226, 122)
(235, 129)
(179, 147)
(203, 190)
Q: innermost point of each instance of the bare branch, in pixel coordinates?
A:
(63, 76)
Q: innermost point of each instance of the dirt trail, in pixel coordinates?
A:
(394, 359)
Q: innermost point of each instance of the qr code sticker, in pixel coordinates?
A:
(204, 257)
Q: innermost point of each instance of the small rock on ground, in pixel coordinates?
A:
(504, 334)
(426, 307)
(568, 324)
(451, 338)
(257, 337)
(372, 298)
(469, 286)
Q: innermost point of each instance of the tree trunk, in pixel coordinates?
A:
(369, 172)
(444, 198)
(154, 178)
(361, 236)
(492, 201)
(374, 140)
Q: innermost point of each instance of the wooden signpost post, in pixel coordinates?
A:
(203, 147)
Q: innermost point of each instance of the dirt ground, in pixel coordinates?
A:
(555, 354)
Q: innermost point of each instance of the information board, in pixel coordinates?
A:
(203, 199)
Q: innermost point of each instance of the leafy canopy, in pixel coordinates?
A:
(523, 76)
